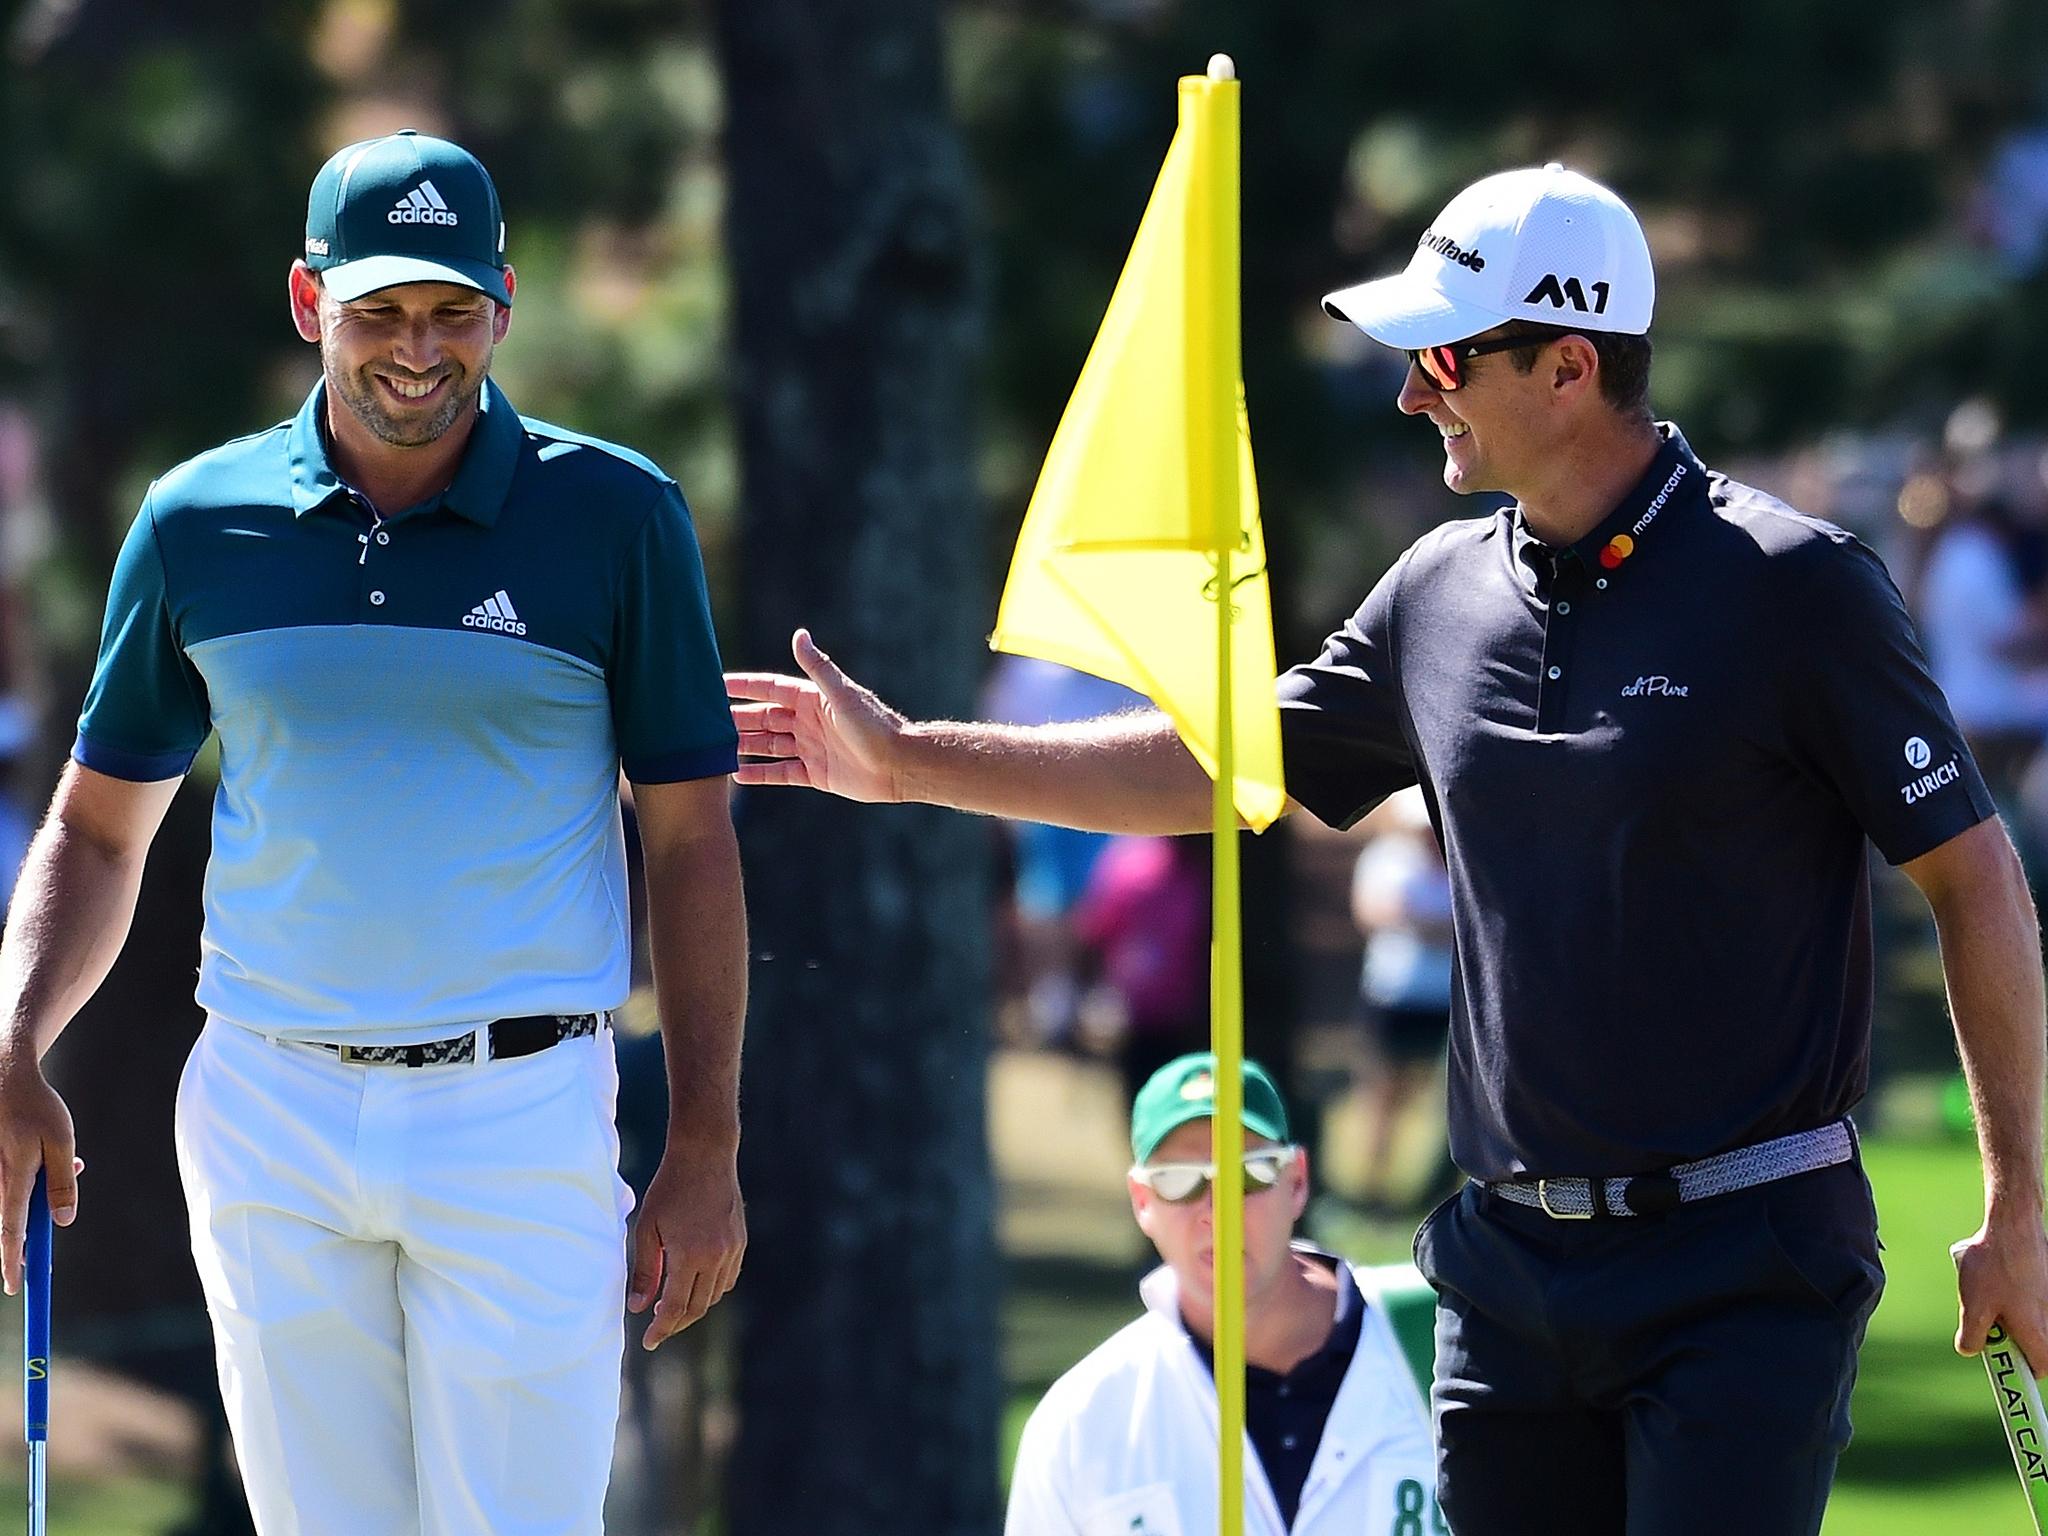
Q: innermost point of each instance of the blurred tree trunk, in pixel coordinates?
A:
(867, 1358)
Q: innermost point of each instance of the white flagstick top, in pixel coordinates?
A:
(1221, 68)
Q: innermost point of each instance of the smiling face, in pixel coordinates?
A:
(407, 362)
(1500, 429)
(1185, 1233)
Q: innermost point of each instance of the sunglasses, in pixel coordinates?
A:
(1445, 366)
(1178, 1183)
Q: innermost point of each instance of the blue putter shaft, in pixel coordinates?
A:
(35, 1351)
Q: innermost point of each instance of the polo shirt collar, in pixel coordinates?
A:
(1674, 482)
(482, 481)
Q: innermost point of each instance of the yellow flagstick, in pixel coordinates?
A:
(1216, 482)
(1141, 559)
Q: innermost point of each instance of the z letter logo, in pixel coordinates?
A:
(1917, 753)
(1557, 294)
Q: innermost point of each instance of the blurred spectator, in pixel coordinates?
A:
(2011, 211)
(1401, 901)
(21, 538)
(1986, 641)
(1145, 916)
(1049, 865)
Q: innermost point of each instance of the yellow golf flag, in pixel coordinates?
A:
(1148, 489)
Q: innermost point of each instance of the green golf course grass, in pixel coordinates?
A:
(1929, 1457)
(115, 1507)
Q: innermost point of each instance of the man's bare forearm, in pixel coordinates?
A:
(1122, 773)
(697, 928)
(1990, 951)
(70, 916)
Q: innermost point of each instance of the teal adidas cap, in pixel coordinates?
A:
(406, 208)
(1185, 1089)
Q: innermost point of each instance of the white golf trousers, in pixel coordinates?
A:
(416, 1279)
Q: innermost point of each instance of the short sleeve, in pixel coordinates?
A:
(1342, 737)
(1866, 717)
(146, 714)
(669, 709)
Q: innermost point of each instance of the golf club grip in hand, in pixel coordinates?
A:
(35, 1314)
(2019, 1409)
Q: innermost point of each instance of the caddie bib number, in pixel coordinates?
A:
(1416, 1511)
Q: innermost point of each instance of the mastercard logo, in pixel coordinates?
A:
(1618, 549)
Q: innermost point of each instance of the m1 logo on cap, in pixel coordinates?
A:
(1557, 294)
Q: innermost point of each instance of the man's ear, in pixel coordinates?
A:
(303, 292)
(1141, 1204)
(501, 322)
(1575, 367)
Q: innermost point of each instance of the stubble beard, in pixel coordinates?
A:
(360, 392)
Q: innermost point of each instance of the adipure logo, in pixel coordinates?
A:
(495, 613)
(422, 205)
(1917, 753)
(1655, 687)
(1451, 251)
(1657, 501)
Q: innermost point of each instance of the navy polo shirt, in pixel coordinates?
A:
(422, 718)
(1653, 760)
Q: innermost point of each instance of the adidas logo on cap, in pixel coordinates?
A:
(422, 205)
(495, 613)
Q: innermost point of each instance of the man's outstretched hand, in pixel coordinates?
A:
(822, 730)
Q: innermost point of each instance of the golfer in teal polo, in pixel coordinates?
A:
(430, 634)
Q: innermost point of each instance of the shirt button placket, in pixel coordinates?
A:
(1559, 631)
(378, 537)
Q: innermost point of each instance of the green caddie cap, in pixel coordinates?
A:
(406, 208)
(1185, 1089)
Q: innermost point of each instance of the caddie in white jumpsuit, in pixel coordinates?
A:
(1336, 1400)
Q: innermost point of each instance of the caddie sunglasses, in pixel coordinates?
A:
(1178, 1183)
(1445, 366)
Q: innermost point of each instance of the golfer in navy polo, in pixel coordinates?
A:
(1659, 718)
(429, 635)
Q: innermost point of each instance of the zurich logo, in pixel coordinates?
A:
(1917, 753)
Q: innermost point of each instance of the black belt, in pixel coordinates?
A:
(509, 1037)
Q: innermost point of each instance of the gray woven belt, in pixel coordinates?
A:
(1647, 1194)
(509, 1037)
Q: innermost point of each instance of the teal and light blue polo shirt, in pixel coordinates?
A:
(422, 718)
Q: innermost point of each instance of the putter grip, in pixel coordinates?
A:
(2019, 1406)
(35, 1314)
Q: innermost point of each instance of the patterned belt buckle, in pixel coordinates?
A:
(1543, 1199)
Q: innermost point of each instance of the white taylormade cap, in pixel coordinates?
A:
(1546, 245)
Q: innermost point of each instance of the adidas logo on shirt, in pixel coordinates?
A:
(422, 205)
(495, 613)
